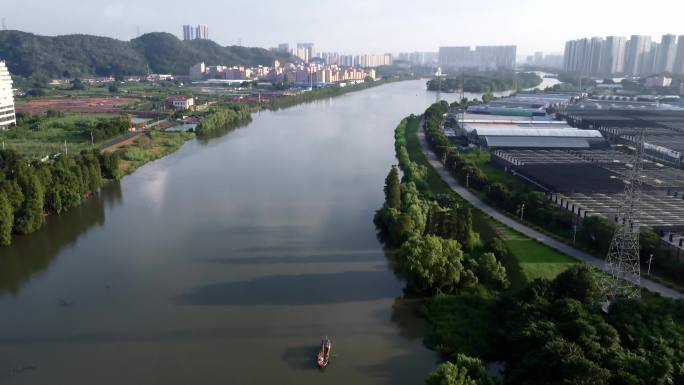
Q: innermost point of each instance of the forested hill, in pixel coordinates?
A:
(47, 57)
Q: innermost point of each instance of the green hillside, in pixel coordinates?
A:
(47, 57)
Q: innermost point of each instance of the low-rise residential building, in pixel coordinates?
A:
(180, 102)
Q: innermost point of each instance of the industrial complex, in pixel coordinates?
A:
(580, 152)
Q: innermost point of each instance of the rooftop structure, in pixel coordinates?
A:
(7, 115)
(494, 137)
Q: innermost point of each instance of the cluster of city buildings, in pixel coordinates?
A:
(420, 59)
(615, 55)
(7, 115)
(481, 58)
(313, 73)
(307, 53)
(199, 32)
(553, 61)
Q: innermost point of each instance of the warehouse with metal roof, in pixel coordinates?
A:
(494, 137)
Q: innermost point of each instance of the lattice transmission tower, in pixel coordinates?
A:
(622, 264)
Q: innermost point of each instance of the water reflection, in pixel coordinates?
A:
(206, 137)
(306, 289)
(32, 254)
(320, 257)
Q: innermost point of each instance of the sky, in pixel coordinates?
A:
(357, 26)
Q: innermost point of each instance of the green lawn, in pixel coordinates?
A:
(436, 184)
(535, 259)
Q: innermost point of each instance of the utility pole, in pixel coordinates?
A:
(92, 139)
(650, 259)
(522, 211)
(66, 150)
(574, 233)
(467, 180)
(4, 25)
(463, 88)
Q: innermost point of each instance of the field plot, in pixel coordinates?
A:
(69, 105)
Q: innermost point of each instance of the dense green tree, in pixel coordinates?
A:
(33, 189)
(449, 374)
(577, 282)
(109, 165)
(393, 189)
(6, 220)
(598, 232)
(491, 271)
(435, 264)
(30, 215)
(13, 193)
(499, 194)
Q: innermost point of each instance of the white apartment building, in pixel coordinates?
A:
(7, 116)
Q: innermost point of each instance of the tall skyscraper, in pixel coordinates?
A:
(613, 55)
(188, 32)
(678, 67)
(637, 54)
(667, 51)
(592, 56)
(202, 32)
(305, 51)
(7, 115)
(575, 56)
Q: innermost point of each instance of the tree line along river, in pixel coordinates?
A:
(226, 262)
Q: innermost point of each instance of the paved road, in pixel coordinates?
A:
(543, 238)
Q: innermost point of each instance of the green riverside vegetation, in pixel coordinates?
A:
(545, 331)
(220, 117)
(29, 190)
(491, 81)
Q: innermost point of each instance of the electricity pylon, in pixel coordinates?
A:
(622, 264)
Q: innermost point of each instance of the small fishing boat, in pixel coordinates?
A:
(324, 354)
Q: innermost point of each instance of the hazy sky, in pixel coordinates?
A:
(355, 26)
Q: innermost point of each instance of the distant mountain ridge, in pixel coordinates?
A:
(69, 56)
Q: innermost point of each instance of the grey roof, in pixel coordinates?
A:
(538, 132)
(535, 142)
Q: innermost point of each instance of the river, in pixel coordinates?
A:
(226, 262)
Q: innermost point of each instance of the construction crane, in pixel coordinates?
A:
(622, 264)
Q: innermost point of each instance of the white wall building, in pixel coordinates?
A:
(7, 116)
